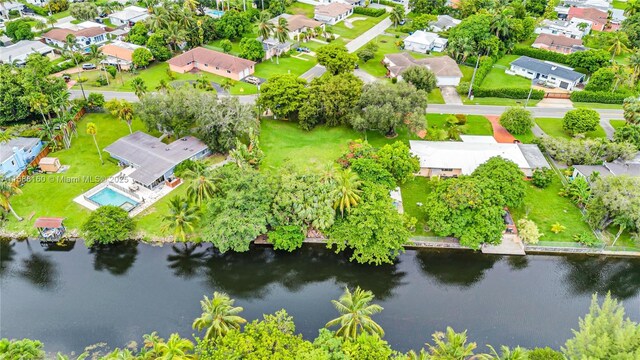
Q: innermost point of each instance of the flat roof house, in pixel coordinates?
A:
(603, 5)
(571, 28)
(424, 42)
(10, 6)
(445, 68)
(332, 13)
(119, 54)
(84, 37)
(214, 62)
(128, 16)
(17, 153)
(153, 160)
(597, 17)
(20, 51)
(454, 158)
(297, 24)
(558, 43)
(552, 74)
(444, 23)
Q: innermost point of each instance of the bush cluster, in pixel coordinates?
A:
(37, 9)
(541, 54)
(484, 67)
(604, 97)
(508, 93)
(369, 11)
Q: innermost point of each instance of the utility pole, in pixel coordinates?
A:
(473, 77)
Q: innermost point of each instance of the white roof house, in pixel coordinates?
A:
(20, 51)
(9, 6)
(129, 15)
(444, 23)
(571, 28)
(424, 42)
(452, 158)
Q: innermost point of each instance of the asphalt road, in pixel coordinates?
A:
(605, 114)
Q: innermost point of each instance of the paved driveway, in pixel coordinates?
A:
(450, 95)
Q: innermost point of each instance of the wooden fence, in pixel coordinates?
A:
(557, 95)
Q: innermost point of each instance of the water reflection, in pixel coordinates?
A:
(444, 266)
(7, 252)
(39, 270)
(586, 275)
(185, 261)
(117, 259)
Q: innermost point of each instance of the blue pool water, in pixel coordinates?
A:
(108, 196)
(215, 13)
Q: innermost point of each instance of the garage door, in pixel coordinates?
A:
(564, 84)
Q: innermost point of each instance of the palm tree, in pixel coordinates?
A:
(51, 21)
(219, 316)
(397, 15)
(181, 218)
(39, 102)
(69, 46)
(505, 354)
(158, 19)
(265, 27)
(501, 23)
(139, 87)
(95, 53)
(281, 33)
(622, 75)
(162, 85)
(192, 5)
(202, 186)
(227, 84)
(634, 62)
(8, 187)
(618, 44)
(355, 314)
(122, 110)
(451, 346)
(174, 35)
(317, 31)
(633, 7)
(5, 136)
(176, 348)
(40, 25)
(92, 130)
(348, 190)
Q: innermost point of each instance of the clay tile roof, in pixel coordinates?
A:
(296, 22)
(557, 40)
(120, 52)
(48, 222)
(333, 9)
(58, 34)
(212, 58)
(589, 14)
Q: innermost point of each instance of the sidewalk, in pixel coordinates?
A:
(500, 133)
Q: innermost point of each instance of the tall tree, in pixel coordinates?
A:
(181, 218)
(92, 130)
(219, 316)
(348, 190)
(355, 314)
(336, 59)
(8, 188)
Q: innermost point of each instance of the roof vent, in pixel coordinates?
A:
(184, 139)
(166, 149)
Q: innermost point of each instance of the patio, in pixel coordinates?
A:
(125, 186)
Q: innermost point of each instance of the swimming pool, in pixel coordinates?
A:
(108, 196)
(214, 13)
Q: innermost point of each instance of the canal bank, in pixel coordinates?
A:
(79, 296)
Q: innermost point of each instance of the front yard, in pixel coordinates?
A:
(361, 23)
(553, 127)
(476, 124)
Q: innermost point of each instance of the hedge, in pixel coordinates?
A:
(37, 9)
(369, 11)
(62, 66)
(388, 3)
(485, 66)
(603, 97)
(507, 93)
(541, 54)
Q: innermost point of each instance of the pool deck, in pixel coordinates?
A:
(146, 197)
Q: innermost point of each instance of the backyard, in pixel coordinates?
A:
(553, 127)
(361, 23)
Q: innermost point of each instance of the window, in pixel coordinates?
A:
(13, 162)
(217, 68)
(228, 71)
(206, 65)
(447, 169)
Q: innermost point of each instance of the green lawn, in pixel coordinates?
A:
(61, 14)
(497, 78)
(617, 123)
(597, 105)
(298, 8)
(553, 127)
(526, 138)
(285, 65)
(152, 76)
(386, 45)
(497, 101)
(618, 4)
(435, 97)
(505, 61)
(476, 124)
(545, 207)
(467, 72)
(414, 192)
(53, 194)
(359, 26)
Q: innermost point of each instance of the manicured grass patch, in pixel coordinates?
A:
(386, 45)
(414, 192)
(597, 105)
(526, 138)
(467, 72)
(154, 74)
(506, 60)
(298, 8)
(53, 194)
(435, 97)
(359, 26)
(545, 207)
(61, 14)
(497, 78)
(618, 4)
(616, 124)
(287, 65)
(476, 124)
(497, 101)
(553, 127)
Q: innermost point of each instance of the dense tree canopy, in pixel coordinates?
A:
(251, 49)
(398, 160)
(420, 77)
(586, 151)
(284, 95)
(330, 99)
(336, 59)
(507, 180)
(141, 57)
(233, 24)
(615, 200)
(473, 36)
(108, 224)
(19, 29)
(628, 133)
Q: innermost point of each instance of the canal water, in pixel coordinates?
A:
(72, 299)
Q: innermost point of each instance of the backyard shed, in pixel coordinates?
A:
(49, 164)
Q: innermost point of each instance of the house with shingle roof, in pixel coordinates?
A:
(547, 72)
(20, 51)
(332, 13)
(211, 61)
(445, 69)
(297, 24)
(129, 16)
(444, 23)
(557, 43)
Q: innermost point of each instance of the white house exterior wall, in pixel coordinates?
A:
(417, 47)
(447, 81)
(551, 80)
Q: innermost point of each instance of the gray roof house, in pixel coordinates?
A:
(18, 52)
(546, 72)
(607, 169)
(154, 160)
(444, 23)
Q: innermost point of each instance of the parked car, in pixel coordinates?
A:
(27, 10)
(303, 49)
(252, 80)
(88, 66)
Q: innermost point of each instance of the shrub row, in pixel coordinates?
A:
(603, 97)
(62, 66)
(388, 3)
(507, 93)
(485, 66)
(37, 9)
(369, 11)
(541, 54)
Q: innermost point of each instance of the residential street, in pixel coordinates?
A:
(605, 114)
